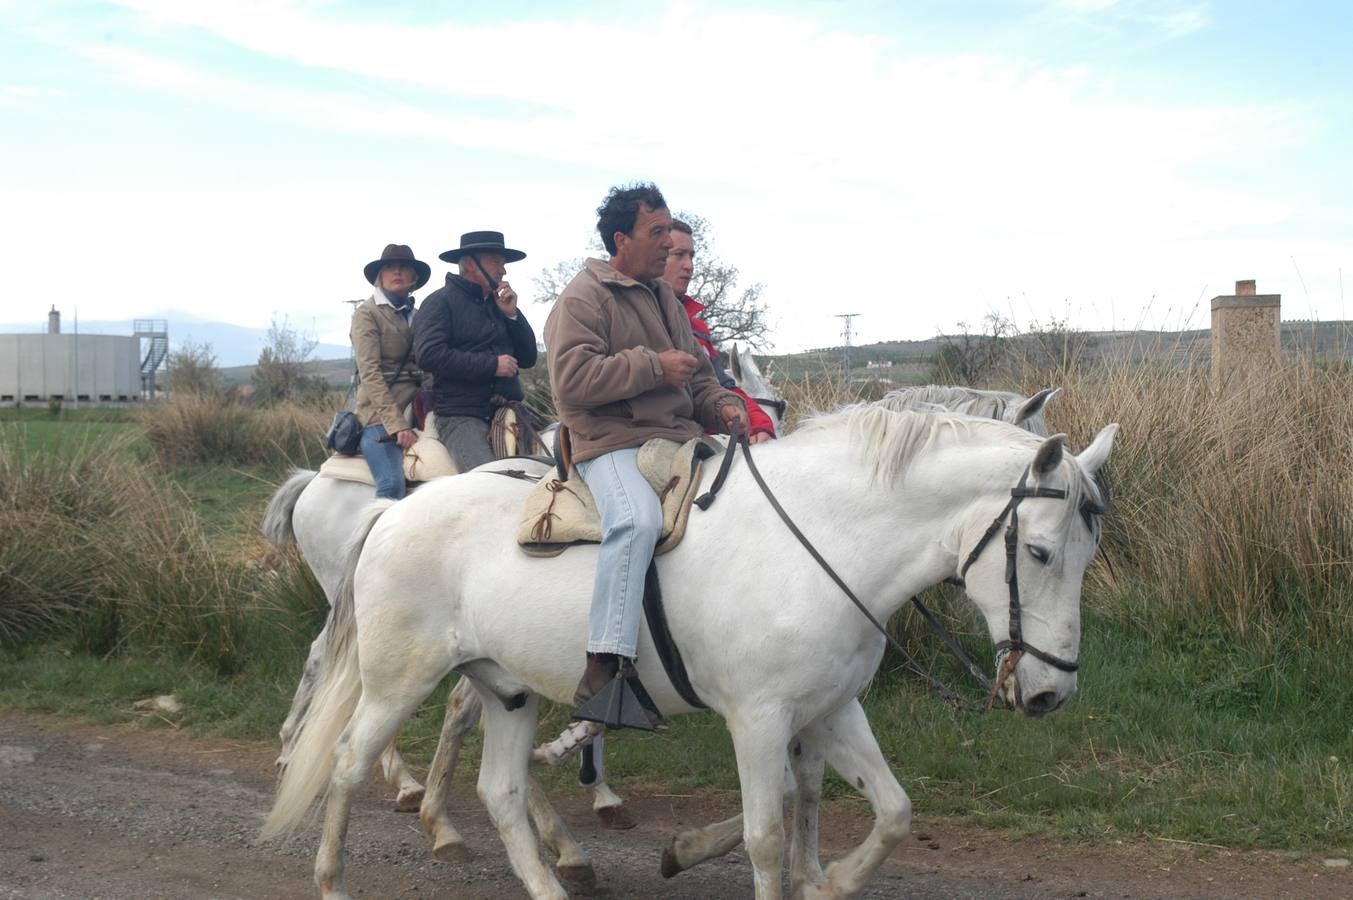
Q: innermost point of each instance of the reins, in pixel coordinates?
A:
(1009, 651)
(739, 438)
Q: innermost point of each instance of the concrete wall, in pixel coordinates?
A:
(35, 368)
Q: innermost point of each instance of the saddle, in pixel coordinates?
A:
(559, 513)
(425, 460)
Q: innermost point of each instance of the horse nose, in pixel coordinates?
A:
(1041, 704)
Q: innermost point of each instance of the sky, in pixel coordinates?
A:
(1103, 163)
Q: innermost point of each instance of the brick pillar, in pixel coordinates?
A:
(1245, 334)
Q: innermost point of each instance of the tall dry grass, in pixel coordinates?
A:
(1233, 508)
(99, 549)
(212, 429)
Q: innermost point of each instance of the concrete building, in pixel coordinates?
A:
(89, 368)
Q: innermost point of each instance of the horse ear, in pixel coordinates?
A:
(735, 364)
(1035, 404)
(1093, 457)
(1049, 455)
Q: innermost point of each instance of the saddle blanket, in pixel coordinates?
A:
(560, 513)
(425, 460)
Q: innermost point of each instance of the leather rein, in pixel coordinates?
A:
(1009, 651)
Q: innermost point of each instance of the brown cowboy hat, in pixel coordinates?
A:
(398, 253)
(482, 242)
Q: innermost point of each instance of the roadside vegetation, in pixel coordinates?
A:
(1213, 705)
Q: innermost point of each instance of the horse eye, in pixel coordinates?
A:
(1039, 553)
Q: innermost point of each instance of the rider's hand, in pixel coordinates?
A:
(761, 437)
(506, 298)
(405, 438)
(734, 412)
(677, 366)
(507, 365)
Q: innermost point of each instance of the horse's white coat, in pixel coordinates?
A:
(775, 611)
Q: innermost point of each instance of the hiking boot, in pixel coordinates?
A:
(601, 671)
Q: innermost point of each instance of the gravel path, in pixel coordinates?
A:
(89, 811)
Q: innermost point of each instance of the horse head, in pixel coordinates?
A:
(1024, 568)
(743, 368)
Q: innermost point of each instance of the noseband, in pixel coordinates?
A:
(1009, 651)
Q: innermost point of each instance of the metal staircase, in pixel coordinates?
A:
(154, 335)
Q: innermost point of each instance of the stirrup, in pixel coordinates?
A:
(618, 706)
(570, 741)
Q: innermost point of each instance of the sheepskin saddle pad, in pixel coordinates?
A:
(559, 513)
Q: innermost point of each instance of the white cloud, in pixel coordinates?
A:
(942, 186)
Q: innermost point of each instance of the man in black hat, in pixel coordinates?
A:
(471, 337)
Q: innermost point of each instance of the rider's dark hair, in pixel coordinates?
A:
(621, 207)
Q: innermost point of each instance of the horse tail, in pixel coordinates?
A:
(277, 518)
(311, 760)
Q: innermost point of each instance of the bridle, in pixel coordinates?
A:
(777, 404)
(1008, 651)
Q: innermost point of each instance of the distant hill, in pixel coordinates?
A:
(234, 345)
(909, 362)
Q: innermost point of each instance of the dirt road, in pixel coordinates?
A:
(89, 811)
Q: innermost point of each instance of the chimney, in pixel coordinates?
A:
(53, 321)
(1245, 334)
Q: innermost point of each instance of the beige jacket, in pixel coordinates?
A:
(381, 337)
(604, 336)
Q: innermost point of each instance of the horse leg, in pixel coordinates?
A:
(697, 845)
(572, 864)
(373, 725)
(398, 776)
(760, 748)
(806, 759)
(607, 805)
(463, 709)
(503, 789)
(851, 749)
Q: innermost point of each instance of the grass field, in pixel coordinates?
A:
(1184, 727)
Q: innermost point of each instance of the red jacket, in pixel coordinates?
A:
(755, 415)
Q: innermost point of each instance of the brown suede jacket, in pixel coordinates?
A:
(604, 336)
(381, 338)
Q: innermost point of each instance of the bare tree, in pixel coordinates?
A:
(968, 358)
(732, 314)
(280, 373)
(193, 370)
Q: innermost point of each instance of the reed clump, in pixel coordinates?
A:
(1233, 506)
(214, 428)
(98, 549)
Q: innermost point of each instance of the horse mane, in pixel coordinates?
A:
(972, 401)
(890, 439)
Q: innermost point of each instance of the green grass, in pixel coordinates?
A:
(1200, 741)
(72, 434)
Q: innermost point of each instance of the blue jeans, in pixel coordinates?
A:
(631, 522)
(386, 462)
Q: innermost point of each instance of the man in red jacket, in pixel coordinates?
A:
(680, 269)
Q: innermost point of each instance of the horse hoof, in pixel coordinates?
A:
(670, 866)
(616, 818)
(579, 874)
(409, 800)
(456, 853)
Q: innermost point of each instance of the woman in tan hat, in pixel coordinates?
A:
(382, 338)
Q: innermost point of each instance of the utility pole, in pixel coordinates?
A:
(847, 332)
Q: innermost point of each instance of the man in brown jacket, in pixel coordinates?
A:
(625, 368)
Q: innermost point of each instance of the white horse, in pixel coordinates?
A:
(896, 501)
(318, 513)
(1026, 412)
